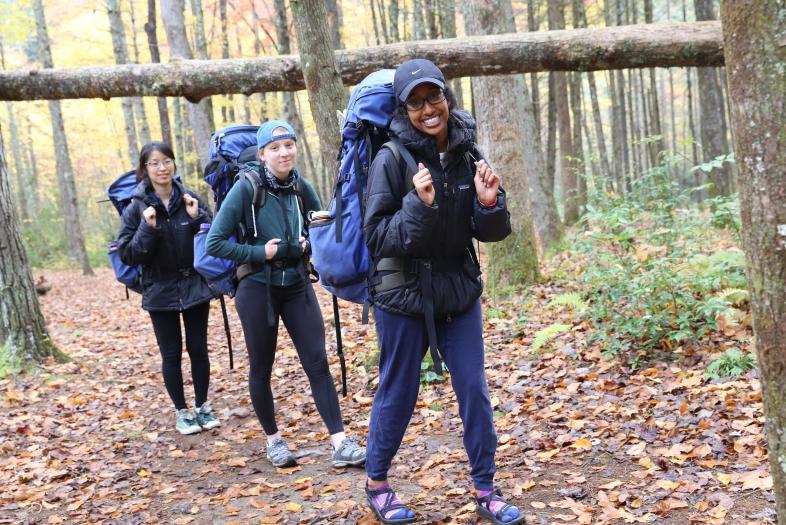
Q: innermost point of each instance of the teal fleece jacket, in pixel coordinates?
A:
(280, 218)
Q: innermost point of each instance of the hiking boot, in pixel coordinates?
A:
(279, 455)
(205, 418)
(349, 454)
(187, 422)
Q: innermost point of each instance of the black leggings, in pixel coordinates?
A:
(166, 325)
(297, 306)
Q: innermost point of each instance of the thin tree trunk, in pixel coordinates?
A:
(24, 340)
(418, 23)
(120, 50)
(198, 114)
(244, 100)
(374, 22)
(393, 13)
(326, 94)
(201, 44)
(532, 26)
(139, 103)
(383, 20)
(155, 56)
(551, 136)
(500, 110)
(447, 21)
(568, 175)
(758, 97)
(228, 107)
(334, 19)
(19, 165)
(635, 135)
(579, 161)
(69, 204)
(431, 19)
(713, 115)
(179, 145)
(291, 113)
(32, 165)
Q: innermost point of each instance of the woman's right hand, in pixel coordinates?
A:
(150, 216)
(271, 247)
(424, 185)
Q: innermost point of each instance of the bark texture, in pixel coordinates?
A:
(326, 95)
(500, 115)
(23, 336)
(753, 32)
(673, 44)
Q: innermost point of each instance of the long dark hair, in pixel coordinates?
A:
(147, 150)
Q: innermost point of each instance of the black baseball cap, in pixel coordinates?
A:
(414, 72)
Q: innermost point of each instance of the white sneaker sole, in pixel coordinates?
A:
(189, 431)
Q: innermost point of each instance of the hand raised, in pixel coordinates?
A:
(192, 206)
(150, 216)
(486, 183)
(424, 185)
(271, 247)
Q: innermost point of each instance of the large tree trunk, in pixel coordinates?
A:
(757, 88)
(326, 95)
(713, 116)
(121, 57)
(500, 112)
(654, 45)
(69, 205)
(198, 114)
(155, 56)
(24, 341)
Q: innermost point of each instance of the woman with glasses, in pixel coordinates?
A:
(157, 231)
(426, 284)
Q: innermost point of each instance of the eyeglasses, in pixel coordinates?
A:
(417, 104)
(155, 164)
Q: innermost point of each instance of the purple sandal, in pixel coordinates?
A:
(400, 512)
(486, 503)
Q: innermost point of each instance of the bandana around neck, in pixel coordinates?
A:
(277, 184)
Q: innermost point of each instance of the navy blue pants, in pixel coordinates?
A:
(403, 342)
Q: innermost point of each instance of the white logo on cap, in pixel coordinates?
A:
(416, 71)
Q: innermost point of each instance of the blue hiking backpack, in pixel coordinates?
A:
(340, 256)
(339, 253)
(120, 193)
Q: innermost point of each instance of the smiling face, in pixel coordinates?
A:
(431, 118)
(160, 168)
(279, 156)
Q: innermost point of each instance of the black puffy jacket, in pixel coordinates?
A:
(166, 252)
(399, 225)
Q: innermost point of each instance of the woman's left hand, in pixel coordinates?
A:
(192, 206)
(486, 183)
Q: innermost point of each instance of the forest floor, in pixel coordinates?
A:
(582, 438)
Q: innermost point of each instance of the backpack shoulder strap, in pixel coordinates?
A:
(257, 201)
(400, 152)
(299, 195)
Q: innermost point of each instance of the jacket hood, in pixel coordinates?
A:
(461, 132)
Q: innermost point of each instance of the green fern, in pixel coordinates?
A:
(733, 296)
(572, 299)
(547, 333)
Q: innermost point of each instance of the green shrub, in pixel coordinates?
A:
(731, 364)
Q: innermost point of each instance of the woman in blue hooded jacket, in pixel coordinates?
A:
(426, 284)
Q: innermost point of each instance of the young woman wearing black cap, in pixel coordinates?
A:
(426, 235)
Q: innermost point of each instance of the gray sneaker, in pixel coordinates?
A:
(205, 418)
(186, 422)
(349, 454)
(279, 455)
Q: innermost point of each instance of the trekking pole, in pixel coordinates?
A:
(339, 347)
(226, 329)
